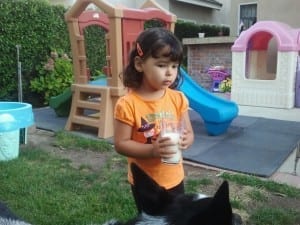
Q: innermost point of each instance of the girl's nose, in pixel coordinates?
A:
(169, 71)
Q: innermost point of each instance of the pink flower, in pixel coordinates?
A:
(49, 66)
(54, 55)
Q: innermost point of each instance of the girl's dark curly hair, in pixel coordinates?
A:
(150, 43)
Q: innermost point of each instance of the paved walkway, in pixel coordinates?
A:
(280, 114)
(271, 113)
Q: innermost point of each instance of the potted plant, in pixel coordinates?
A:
(225, 86)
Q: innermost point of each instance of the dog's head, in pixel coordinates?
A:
(187, 209)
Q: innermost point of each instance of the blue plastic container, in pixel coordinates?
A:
(13, 117)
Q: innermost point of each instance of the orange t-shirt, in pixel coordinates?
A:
(144, 117)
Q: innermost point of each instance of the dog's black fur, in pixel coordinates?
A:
(160, 208)
(7, 217)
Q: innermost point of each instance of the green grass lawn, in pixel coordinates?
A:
(44, 189)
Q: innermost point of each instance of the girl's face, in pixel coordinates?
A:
(159, 73)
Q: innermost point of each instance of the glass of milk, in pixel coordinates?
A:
(172, 129)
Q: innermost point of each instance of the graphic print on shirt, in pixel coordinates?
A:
(147, 129)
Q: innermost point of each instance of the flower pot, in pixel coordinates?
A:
(201, 35)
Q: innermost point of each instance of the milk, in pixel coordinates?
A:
(174, 138)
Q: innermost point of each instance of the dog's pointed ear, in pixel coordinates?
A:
(221, 203)
(215, 210)
(152, 197)
(223, 192)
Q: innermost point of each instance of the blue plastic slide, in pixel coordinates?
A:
(216, 112)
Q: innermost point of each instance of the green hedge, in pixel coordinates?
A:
(37, 27)
(191, 30)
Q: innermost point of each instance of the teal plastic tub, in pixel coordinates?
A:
(13, 117)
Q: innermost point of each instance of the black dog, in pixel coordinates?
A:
(160, 208)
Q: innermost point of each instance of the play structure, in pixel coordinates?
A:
(264, 63)
(123, 26)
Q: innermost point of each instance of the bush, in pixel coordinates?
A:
(37, 27)
(191, 30)
(54, 76)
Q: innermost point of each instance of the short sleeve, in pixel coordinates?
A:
(183, 102)
(124, 112)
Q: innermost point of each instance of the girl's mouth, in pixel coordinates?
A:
(167, 82)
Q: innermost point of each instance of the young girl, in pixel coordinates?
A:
(151, 76)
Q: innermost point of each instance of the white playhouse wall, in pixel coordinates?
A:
(278, 93)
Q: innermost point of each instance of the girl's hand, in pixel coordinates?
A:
(185, 140)
(161, 147)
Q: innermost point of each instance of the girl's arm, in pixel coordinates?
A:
(124, 145)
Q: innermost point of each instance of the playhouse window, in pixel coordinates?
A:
(261, 61)
(154, 23)
(94, 35)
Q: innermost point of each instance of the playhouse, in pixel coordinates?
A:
(264, 63)
(122, 25)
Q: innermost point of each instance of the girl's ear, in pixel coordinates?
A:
(138, 64)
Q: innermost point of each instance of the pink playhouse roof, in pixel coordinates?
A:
(259, 35)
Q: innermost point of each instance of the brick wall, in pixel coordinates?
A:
(203, 53)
